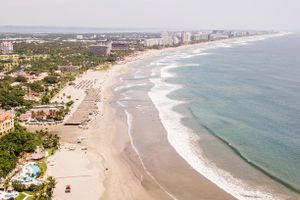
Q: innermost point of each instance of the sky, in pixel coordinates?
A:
(164, 14)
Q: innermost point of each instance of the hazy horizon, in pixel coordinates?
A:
(154, 14)
(87, 30)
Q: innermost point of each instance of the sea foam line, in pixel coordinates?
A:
(183, 139)
(128, 86)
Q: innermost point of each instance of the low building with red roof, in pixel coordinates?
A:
(6, 122)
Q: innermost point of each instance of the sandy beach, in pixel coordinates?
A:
(110, 167)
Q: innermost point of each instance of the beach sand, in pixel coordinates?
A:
(111, 168)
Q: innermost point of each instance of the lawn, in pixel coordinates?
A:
(22, 195)
(50, 151)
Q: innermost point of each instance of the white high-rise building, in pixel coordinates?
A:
(200, 37)
(79, 37)
(169, 38)
(6, 47)
(153, 42)
(186, 37)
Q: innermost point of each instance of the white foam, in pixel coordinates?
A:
(140, 77)
(122, 87)
(166, 73)
(155, 63)
(184, 139)
(121, 104)
(127, 98)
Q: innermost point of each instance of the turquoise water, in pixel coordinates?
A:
(249, 97)
(35, 169)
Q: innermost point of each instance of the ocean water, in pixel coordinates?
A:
(244, 93)
(249, 97)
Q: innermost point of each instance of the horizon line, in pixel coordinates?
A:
(114, 29)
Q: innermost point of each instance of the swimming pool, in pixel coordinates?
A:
(34, 169)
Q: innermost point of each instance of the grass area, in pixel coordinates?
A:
(42, 164)
(103, 67)
(51, 151)
(29, 192)
(43, 167)
(21, 196)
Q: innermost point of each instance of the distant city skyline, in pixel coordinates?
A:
(143, 14)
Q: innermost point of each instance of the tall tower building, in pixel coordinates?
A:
(186, 37)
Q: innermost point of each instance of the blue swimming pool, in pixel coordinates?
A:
(34, 169)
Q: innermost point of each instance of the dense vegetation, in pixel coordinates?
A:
(36, 58)
(19, 141)
(59, 53)
(11, 96)
(43, 191)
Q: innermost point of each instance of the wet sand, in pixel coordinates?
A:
(115, 169)
(162, 161)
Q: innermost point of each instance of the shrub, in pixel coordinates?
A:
(18, 186)
(21, 79)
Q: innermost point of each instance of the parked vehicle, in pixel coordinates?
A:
(68, 189)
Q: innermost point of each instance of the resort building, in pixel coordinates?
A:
(6, 122)
(6, 47)
(102, 49)
(169, 38)
(153, 42)
(165, 39)
(24, 117)
(186, 37)
(117, 46)
(217, 36)
(200, 37)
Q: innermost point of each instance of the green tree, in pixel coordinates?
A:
(51, 79)
(21, 79)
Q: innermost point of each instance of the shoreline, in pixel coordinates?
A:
(112, 160)
(109, 147)
(248, 191)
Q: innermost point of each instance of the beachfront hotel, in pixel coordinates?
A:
(102, 48)
(186, 37)
(200, 37)
(6, 122)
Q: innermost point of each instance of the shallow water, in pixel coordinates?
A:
(245, 93)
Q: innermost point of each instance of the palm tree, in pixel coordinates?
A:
(51, 182)
(45, 190)
(33, 114)
(39, 193)
(42, 114)
(51, 113)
